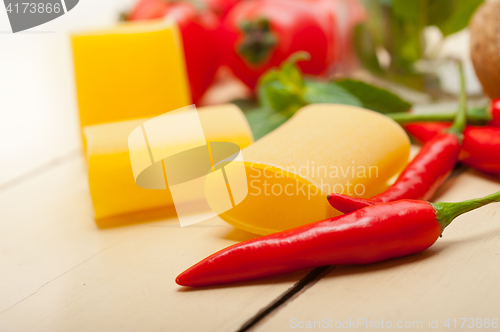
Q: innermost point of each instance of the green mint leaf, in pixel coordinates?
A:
(281, 89)
(280, 98)
(245, 104)
(330, 93)
(262, 121)
(375, 98)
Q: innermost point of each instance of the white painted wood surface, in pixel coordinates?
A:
(458, 277)
(59, 272)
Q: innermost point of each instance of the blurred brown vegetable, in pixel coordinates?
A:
(485, 46)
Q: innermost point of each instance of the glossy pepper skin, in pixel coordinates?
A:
(420, 180)
(369, 235)
(480, 147)
(495, 113)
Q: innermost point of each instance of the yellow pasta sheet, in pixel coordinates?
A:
(324, 148)
(132, 71)
(116, 197)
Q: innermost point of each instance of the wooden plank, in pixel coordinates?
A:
(59, 272)
(456, 278)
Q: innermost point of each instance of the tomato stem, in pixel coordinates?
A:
(447, 212)
(258, 41)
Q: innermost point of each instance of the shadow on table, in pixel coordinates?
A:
(485, 176)
(433, 251)
(139, 217)
(385, 265)
(239, 235)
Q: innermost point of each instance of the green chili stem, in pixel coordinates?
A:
(461, 119)
(446, 212)
(477, 115)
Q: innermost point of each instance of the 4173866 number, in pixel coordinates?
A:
(31, 7)
(472, 323)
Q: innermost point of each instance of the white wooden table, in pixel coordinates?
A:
(60, 272)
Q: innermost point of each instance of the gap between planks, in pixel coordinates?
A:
(40, 170)
(301, 286)
(308, 281)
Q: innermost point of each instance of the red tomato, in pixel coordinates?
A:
(221, 7)
(199, 30)
(148, 9)
(260, 34)
(326, 13)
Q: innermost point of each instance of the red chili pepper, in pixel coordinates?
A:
(369, 235)
(480, 147)
(200, 31)
(261, 34)
(426, 131)
(425, 174)
(481, 116)
(420, 180)
(495, 113)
